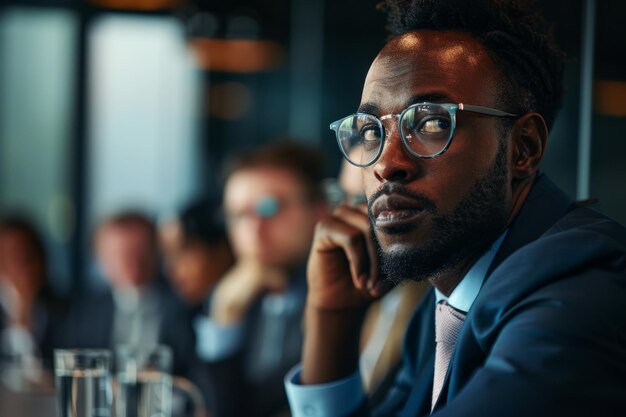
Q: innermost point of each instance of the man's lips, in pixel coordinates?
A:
(394, 209)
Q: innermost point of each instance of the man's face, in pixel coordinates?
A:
(126, 253)
(269, 218)
(430, 215)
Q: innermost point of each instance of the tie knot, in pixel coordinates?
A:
(448, 323)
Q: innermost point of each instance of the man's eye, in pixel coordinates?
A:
(370, 133)
(436, 125)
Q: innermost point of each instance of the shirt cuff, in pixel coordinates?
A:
(216, 341)
(334, 399)
(17, 341)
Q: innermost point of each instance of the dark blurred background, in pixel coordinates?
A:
(110, 104)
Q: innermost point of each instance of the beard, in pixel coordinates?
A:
(476, 221)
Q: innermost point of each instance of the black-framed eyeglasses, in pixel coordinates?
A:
(426, 130)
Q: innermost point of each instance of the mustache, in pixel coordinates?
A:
(395, 188)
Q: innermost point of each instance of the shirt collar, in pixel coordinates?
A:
(132, 299)
(467, 290)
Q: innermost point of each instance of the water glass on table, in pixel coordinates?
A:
(144, 383)
(83, 382)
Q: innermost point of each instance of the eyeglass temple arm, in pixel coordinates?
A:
(485, 110)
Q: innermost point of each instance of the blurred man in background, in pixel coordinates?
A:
(136, 309)
(196, 255)
(253, 329)
(199, 252)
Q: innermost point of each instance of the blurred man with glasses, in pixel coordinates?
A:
(526, 314)
(252, 332)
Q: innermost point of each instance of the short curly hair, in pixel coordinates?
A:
(514, 33)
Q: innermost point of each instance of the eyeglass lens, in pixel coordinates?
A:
(426, 130)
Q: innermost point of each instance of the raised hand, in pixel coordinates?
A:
(241, 286)
(343, 265)
(343, 277)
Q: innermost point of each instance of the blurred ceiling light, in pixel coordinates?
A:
(237, 55)
(609, 97)
(229, 100)
(141, 5)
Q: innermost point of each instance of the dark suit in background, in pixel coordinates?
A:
(91, 325)
(49, 314)
(248, 382)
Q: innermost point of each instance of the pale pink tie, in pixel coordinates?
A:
(448, 323)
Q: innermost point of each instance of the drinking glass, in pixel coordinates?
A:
(83, 382)
(144, 383)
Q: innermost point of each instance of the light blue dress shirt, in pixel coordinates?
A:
(341, 398)
(467, 290)
(216, 341)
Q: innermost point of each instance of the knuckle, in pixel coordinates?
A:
(323, 226)
(354, 237)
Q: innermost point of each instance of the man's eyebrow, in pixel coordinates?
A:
(431, 98)
(371, 108)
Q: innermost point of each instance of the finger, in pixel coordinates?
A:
(381, 288)
(354, 216)
(359, 219)
(334, 233)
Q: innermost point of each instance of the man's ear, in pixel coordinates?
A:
(529, 137)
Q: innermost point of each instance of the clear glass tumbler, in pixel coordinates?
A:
(83, 382)
(144, 382)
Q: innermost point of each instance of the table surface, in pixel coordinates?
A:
(40, 400)
(27, 404)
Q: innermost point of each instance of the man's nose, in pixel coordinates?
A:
(395, 162)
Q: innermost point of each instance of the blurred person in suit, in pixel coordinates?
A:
(200, 254)
(196, 255)
(136, 309)
(30, 312)
(252, 332)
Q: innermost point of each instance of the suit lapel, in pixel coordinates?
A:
(422, 343)
(419, 400)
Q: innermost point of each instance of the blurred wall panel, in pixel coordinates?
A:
(143, 96)
(37, 52)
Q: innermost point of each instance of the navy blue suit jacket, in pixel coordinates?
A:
(246, 374)
(547, 332)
